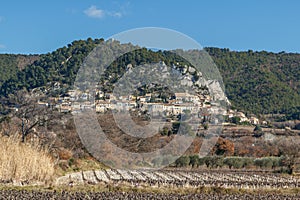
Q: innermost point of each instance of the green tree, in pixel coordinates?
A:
(194, 161)
(235, 120)
(183, 161)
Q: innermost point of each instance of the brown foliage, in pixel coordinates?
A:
(224, 147)
(64, 154)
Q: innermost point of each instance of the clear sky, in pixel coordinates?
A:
(38, 26)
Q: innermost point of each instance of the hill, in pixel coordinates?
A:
(10, 64)
(261, 82)
(255, 82)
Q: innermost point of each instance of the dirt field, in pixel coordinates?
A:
(37, 195)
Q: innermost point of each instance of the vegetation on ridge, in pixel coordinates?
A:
(255, 82)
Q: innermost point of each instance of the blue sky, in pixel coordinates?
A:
(42, 26)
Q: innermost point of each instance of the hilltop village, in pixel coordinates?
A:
(75, 101)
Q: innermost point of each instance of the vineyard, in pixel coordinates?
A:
(182, 178)
(165, 184)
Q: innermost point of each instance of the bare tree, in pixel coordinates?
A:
(29, 110)
(289, 148)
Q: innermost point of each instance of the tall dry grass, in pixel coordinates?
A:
(24, 161)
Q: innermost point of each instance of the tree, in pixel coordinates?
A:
(205, 126)
(213, 161)
(186, 115)
(235, 120)
(25, 107)
(257, 128)
(224, 147)
(297, 126)
(235, 162)
(289, 149)
(183, 161)
(258, 131)
(164, 131)
(194, 161)
(247, 162)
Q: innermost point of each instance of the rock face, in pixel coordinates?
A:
(217, 92)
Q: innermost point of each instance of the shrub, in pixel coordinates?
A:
(64, 154)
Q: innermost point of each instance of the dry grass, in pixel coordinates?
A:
(24, 161)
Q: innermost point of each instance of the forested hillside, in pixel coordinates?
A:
(58, 66)
(260, 82)
(256, 82)
(10, 64)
